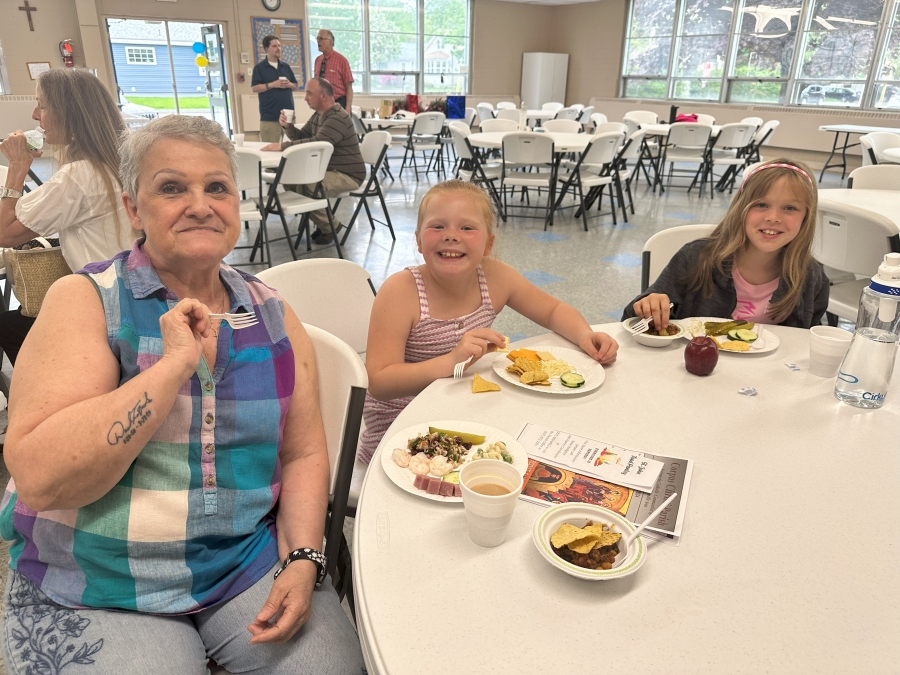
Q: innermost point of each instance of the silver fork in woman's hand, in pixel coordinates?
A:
(237, 321)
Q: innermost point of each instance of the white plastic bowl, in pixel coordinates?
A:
(654, 340)
(627, 562)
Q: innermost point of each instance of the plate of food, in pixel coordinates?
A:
(425, 459)
(552, 370)
(733, 335)
(651, 337)
(588, 542)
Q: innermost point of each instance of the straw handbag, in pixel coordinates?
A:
(33, 267)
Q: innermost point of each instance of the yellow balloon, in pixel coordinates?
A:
(201, 61)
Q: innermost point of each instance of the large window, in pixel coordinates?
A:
(399, 46)
(843, 53)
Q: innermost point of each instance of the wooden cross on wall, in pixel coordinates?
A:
(27, 8)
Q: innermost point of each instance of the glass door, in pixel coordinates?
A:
(216, 87)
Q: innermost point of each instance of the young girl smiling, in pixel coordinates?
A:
(430, 317)
(756, 265)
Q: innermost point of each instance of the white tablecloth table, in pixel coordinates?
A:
(787, 564)
(883, 202)
(562, 142)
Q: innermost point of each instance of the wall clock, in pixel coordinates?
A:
(271, 5)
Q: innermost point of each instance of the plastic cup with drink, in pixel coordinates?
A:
(827, 347)
(490, 492)
(239, 140)
(288, 115)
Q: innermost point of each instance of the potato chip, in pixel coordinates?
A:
(479, 385)
(734, 346)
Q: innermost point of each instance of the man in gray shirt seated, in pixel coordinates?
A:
(330, 122)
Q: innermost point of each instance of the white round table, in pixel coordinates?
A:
(270, 158)
(376, 123)
(663, 129)
(493, 140)
(787, 563)
(893, 153)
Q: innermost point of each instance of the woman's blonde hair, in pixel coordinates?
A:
(730, 237)
(90, 122)
(456, 185)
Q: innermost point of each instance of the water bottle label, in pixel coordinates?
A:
(887, 290)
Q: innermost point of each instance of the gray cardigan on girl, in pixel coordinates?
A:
(673, 281)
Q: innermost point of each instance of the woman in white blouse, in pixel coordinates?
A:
(81, 203)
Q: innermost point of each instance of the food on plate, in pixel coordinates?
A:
(471, 439)
(523, 365)
(701, 355)
(535, 377)
(452, 477)
(546, 356)
(480, 385)
(668, 331)
(734, 346)
(593, 546)
(522, 353)
(401, 457)
(449, 444)
(440, 465)
(571, 380)
(742, 335)
(419, 464)
(496, 450)
(722, 327)
(436, 486)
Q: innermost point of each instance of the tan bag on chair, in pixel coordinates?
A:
(33, 270)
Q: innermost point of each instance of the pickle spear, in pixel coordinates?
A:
(474, 439)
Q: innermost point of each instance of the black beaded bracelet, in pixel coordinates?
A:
(307, 554)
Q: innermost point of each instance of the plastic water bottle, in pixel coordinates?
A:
(34, 139)
(865, 374)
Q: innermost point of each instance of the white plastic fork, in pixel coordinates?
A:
(643, 324)
(237, 321)
(460, 367)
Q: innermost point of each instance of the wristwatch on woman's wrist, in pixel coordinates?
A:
(267, 86)
(310, 554)
(9, 192)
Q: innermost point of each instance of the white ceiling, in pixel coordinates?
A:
(551, 2)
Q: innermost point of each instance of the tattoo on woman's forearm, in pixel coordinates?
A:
(136, 418)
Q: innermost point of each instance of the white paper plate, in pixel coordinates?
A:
(584, 365)
(627, 562)
(767, 342)
(404, 478)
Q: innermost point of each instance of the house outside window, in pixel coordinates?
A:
(140, 56)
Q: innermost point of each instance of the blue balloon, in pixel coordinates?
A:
(198, 47)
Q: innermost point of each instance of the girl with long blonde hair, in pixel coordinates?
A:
(757, 263)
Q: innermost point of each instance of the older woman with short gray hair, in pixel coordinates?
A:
(170, 473)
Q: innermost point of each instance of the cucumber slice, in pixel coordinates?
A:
(571, 380)
(733, 334)
(746, 335)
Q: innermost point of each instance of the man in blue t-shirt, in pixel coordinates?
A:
(274, 82)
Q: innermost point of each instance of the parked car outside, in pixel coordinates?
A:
(816, 94)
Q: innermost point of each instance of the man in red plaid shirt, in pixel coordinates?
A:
(335, 68)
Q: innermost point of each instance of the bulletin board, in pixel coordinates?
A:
(293, 43)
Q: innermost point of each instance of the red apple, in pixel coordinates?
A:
(701, 355)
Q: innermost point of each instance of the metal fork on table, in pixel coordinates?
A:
(460, 367)
(237, 321)
(643, 324)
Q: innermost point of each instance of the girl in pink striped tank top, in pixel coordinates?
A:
(426, 319)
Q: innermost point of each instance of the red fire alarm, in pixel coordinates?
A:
(67, 51)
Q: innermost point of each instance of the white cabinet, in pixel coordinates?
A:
(543, 78)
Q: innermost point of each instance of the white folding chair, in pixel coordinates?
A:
(563, 126)
(522, 152)
(881, 177)
(342, 393)
(506, 105)
(552, 107)
(630, 150)
(471, 169)
(577, 106)
(485, 112)
(607, 127)
(471, 114)
(854, 240)
(876, 143)
(513, 114)
(643, 116)
(729, 149)
(598, 119)
(756, 121)
(762, 137)
(686, 144)
(249, 180)
(584, 118)
(660, 248)
(703, 118)
(373, 149)
(566, 114)
(302, 164)
(594, 171)
(490, 126)
(425, 137)
(349, 288)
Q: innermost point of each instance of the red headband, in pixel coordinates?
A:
(769, 166)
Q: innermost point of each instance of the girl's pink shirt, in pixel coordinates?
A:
(752, 300)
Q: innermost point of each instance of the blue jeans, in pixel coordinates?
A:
(41, 636)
